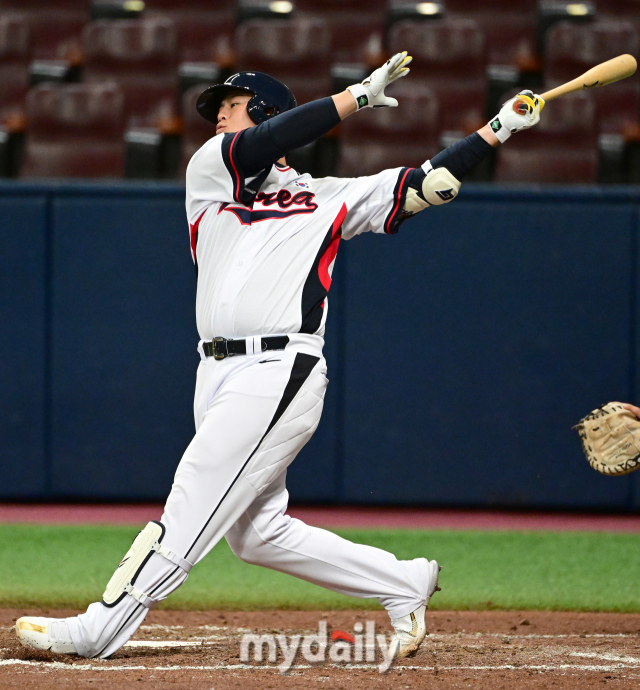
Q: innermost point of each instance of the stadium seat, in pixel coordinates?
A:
(468, 7)
(75, 130)
(296, 51)
(509, 27)
(204, 28)
(376, 139)
(197, 130)
(560, 149)
(357, 27)
(571, 49)
(510, 37)
(141, 56)
(329, 6)
(448, 57)
(54, 26)
(14, 65)
(46, 6)
(622, 8)
(627, 10)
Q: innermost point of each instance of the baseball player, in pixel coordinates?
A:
(264, 240)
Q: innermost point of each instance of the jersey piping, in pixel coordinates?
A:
(318, 282)
(193, 232)
(394, 219)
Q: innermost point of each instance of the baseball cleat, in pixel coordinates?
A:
(50, 634)
(410, 630)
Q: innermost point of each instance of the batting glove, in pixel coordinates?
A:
(370, 94)
(508, 120)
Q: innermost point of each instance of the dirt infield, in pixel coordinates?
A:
(494, 649)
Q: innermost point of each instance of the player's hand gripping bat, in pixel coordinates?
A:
(605, 73)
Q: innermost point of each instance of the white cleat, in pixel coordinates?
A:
(50, 634)
(412, 629)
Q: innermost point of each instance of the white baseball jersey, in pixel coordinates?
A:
(264, 260)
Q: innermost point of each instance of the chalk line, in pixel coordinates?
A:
(58, 665)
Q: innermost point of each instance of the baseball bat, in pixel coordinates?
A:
(605, 73)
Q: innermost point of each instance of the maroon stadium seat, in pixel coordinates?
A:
(391, 137)
(197, 130)
(571, 49)
(509, 27)
(468, 7)
(448, 57)
(357, 27)
(496, 6)
(141, 56)
(188, 5)
(14, 66)
(204, 27)
(297, 51)
(55, 26)
(627, 10)
(330, 6)
(510, 37)
(75, 130)
(46, 6)
(560, 149)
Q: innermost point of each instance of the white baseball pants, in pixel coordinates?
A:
(253, 414)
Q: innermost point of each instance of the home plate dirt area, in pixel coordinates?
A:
(476, 649)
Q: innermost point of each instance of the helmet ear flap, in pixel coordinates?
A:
(254, 110)
(259, 111)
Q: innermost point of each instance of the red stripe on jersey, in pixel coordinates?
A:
(193, 231)
(398, 197)
(235, 170)
(331, 251)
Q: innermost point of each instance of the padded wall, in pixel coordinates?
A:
(23, 315)
(123, 342)
(460, 352)
(476, 338)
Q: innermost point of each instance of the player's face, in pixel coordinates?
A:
(232, 116)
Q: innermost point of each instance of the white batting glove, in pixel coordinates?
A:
(370, 94)
(508, 121)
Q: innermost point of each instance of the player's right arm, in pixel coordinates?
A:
(438, 180)
(380, 203)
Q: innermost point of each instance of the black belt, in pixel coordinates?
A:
(219, 348)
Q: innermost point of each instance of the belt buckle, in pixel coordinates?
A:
(219, 355)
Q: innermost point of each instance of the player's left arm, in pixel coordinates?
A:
(259, 147)
(438, 181)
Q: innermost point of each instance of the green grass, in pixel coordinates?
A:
(54, 566)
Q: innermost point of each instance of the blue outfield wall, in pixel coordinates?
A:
(460, 352)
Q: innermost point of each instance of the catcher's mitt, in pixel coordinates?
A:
(610, 439)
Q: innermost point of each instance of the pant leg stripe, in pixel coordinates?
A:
(113, 637)
(302, 367)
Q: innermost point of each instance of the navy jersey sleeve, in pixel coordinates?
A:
(260, 147)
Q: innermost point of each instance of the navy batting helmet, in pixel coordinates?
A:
(269, 97)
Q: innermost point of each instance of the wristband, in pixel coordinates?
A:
(502, 133)
(361, 95)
